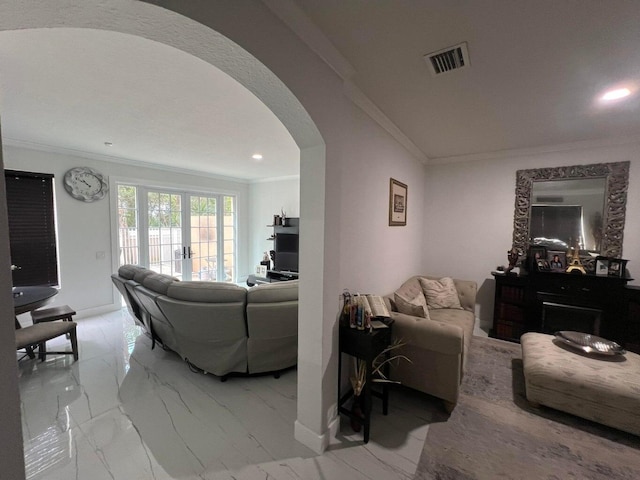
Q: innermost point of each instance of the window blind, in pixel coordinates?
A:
(32, 232)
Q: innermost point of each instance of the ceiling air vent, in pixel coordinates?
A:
(451, 58)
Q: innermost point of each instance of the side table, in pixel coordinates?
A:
(363, 345)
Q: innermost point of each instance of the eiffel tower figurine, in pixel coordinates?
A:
(576, 265)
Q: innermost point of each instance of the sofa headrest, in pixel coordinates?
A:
(142, 274)
(128, 271)
(158, 282)
(213, 292)
(274, 292)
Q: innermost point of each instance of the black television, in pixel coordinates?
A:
(286, 246)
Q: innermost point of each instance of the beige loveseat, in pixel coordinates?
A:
(438, 346)
(218, 327)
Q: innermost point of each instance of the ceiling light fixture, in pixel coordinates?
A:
(616, 94)
(257, 156)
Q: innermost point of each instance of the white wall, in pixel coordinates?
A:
(469, 213)
(85, 228)
(267, 199)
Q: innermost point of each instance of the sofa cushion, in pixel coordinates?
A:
(416, 306)
(410, 288)
(440, 293)
(158, 282)
(141, 274)
(274, 292)
(214, 292)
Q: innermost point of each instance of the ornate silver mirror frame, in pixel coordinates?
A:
(617, 181)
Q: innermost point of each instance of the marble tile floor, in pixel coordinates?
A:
(126, 412)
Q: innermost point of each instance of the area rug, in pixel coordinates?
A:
(493, 433)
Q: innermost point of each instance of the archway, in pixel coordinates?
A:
(157, 24)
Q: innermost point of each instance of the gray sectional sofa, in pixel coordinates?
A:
(218, 327)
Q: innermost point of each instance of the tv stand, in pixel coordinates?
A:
(272, 276)
(280, 276)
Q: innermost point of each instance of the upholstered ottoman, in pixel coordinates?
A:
(604, 389)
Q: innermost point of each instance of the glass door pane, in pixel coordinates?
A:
(166, 248)
(229, 245)
(204, 238)
(128, 239)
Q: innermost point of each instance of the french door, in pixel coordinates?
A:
(187, 235)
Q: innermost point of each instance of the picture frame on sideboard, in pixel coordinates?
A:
(602, 266)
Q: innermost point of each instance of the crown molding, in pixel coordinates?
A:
(528, 152)
(295, 18)
(361, 100)
(275, 179)
(120, 160)
(298, 21)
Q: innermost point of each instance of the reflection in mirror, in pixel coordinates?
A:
(564, 212)
(574, 184)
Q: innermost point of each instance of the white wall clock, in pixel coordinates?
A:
(85, 184)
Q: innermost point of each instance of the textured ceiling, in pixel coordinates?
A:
(75, 89)
(536, 67)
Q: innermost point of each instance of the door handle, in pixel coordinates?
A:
(190, 252)
(184, 252)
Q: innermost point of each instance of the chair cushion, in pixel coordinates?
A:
(41, 332)
(416, 306)
(440, 293)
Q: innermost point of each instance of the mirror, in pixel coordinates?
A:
(564, 212)
(560, 206)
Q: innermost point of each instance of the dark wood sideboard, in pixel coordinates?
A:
(550, 301)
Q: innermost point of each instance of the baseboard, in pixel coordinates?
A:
(90, 312)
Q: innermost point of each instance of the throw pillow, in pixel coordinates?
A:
(440, 293)
(416, 307)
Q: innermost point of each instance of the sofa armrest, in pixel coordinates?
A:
(428, 334)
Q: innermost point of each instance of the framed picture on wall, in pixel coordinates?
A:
(397, 203)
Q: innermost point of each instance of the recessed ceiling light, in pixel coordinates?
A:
(108, 144)
(616, 94)
(257, 156)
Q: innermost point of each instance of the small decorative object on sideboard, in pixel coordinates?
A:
(613, 267)
(512, 256)
(575, 265)
(537, 259)
(617, 267)
(602, 266)
(557, 260)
